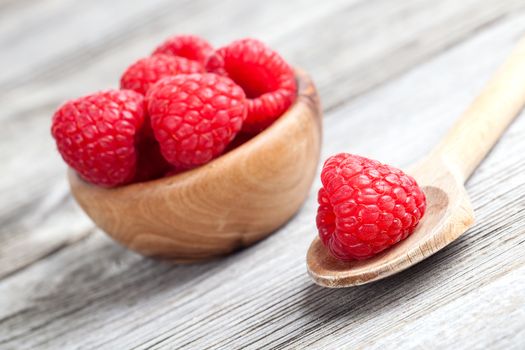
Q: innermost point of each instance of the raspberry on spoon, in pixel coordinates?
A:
(365, 206)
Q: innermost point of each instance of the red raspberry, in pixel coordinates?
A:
(150, 163)
(195, 116)
(147, 71)
(190, 46)
(268, 81)
(365, 206)
(96, 135)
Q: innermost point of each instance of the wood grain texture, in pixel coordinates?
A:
(232, 202)
(487, 118)
(95, 294)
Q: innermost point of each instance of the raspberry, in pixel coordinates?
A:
(268, 81)
(195, 116)
(96, 135)
(150, 162)
(147, 71)
(365, 206)
(191, 47)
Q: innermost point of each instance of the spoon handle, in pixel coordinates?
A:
(483, 123)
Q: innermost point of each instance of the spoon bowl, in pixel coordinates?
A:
(231, 202)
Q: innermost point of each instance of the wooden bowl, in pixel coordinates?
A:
(231, 202)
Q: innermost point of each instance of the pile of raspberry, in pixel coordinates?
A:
(176, 109)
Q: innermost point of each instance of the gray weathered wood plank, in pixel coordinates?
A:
(506, 299)
(95, 294)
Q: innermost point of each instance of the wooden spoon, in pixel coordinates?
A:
(442, 175)
(233, 201)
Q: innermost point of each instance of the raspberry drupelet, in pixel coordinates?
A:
(266, 78)
(365, 206)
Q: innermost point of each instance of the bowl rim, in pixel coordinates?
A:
(305, 91)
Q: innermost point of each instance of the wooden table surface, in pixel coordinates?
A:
(393, 76)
